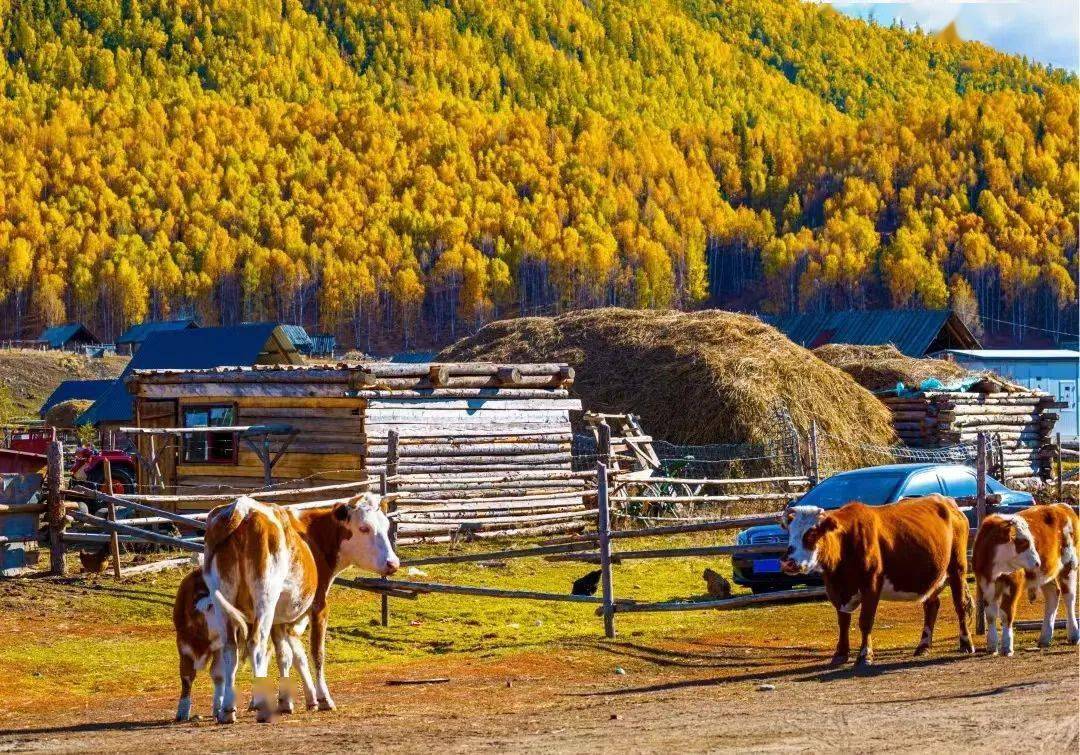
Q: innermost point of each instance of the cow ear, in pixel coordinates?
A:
(386, 500)
(341, 512)
(825, 523)
(786, 518)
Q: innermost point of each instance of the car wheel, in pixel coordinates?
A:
(763, 589)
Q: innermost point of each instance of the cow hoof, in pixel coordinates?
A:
(1006, 653)
(264, 716)
(252, 707)
(1074, 639)
(967, 647)
(227, 716)
(312, 706)
(922, 650)
(838, 660)
(864, 661)
(285, 706)
(1044, 643)
(327, 704)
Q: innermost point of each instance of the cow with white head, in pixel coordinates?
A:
(902, 551)
(269, 569)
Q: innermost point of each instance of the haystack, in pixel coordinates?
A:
(694, 378)
(64, 414)
(880, 368)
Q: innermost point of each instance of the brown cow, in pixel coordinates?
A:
(902, 551)
(1037, 546)
(270, 569)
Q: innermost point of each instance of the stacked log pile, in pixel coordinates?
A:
(482, 450)
(1021, 420)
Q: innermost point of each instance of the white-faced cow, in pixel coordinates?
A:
(1038, 547)
(902, 551)
(270, 569)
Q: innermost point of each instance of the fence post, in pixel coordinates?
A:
(603, 516)
(980, 514)
(114, 539)
(1057, 463)
(815, 472)
(55, 506)
(384, 489)
(603, 448)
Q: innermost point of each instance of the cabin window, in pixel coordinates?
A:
(210, 447)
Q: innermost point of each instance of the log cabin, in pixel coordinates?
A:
(456, 424)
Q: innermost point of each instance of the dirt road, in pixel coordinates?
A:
(692, 697)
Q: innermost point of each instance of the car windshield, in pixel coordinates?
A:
(836, 491)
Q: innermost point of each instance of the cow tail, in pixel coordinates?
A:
(233, 617)
(969, 603)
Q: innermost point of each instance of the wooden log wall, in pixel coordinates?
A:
(484, 449)
(1022, 420)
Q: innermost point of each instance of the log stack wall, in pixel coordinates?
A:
(482, 450)
(1022, 420)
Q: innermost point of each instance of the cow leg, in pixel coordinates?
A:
(187, 677)
(930, 612)
(870, 600)
(843, 642)
(260, 661)
(962, 604)
(1051, 593)
(219, 681)
(284, 654)
(1067, 584)
(991, 611)
(229, 659)
(1009, 588)
(318, 652)
(300, 656)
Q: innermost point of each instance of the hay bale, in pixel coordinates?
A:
(694, 378)
(880, 368)
(64, 414)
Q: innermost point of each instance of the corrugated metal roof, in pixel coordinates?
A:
(299, 337)
(58, 335)
(912, 331)
(1017, 353)
(88, 390)
(138, 333)
(195, 349)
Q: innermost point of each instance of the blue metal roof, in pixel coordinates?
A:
(299, 337)
(88, 390)
(58, 335)
(912, 331)
(138, 333)
(194, 349)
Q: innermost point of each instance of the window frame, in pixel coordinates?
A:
(928, 474)
(234, 460)
(967, 474)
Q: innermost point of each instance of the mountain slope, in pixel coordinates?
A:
(405, 169)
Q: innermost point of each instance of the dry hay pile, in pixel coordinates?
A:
(880, 368)
(694, 378)
(64, 414)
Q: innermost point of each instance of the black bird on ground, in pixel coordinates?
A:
(587, 585)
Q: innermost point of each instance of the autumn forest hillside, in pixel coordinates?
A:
(401, 171)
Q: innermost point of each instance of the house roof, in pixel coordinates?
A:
(58, 335)
(914, 332)
(138, 333)
(74, 389)
(1016, 353)
(194, 349)
(299, 337)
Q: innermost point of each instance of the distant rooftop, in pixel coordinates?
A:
(1017, 353)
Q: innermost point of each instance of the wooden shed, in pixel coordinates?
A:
(456, 422)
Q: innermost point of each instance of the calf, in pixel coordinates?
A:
(1037, 546)
(270, 569)
(198, 643)
(902, 551)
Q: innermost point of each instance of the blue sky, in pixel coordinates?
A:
(1047, 31)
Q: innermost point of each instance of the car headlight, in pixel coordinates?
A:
(743, 538)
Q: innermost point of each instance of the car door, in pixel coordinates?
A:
(920, 484)
(959, 482)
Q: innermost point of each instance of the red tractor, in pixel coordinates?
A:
(89, 467)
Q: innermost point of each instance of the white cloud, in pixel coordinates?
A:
(1047, 31)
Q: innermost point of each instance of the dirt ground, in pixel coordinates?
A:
(632, 696)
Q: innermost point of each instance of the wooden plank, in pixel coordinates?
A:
(427, 427)
(484, 592)
(739, 601)
(429, 404)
